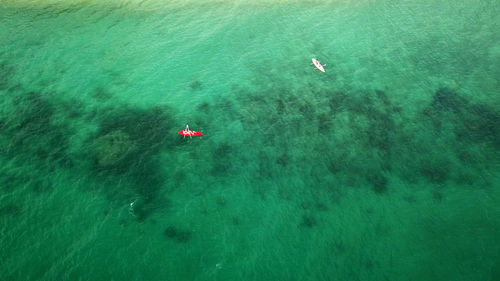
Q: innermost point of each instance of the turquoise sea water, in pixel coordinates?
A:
(386, 167)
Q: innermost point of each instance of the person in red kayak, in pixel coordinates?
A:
(188, 132)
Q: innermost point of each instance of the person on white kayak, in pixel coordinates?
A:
(319, 63)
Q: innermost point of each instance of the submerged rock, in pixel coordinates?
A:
(282, 160)
(112, 148)
(195, 85)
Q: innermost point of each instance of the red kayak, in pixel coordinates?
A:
(188, 133)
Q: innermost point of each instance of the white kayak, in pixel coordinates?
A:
(318, 65)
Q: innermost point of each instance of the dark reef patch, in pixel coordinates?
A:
(73, 109)
(437, 195)
(377, 132)
(147, 204)
(40, 185)
(307, 110)
(235, 221)
(221, 157)
(336, 165)
(9, 210)
(382, 131)
(447, 99)
(126, 147)
(10, 181)
(470, 126)
(32, 133)
(6, 73)
(221, 201)
(471, 122)
(337, 101)
(128, 138)
(368, 115)
(178, 235)
(321, 207)
(410, 198)
(280, 107)
(382, 96)
(435, 172)
(362, 137)
(306, 205)
(325, 122)
(379, 135)
(204, 107)
(283, 159)
(339, 248)
(480, 124)
(308, 221)
(378, 182)
(102, 94)
(148, 128)
(265, 168)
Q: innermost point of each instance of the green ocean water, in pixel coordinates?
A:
(385, 167)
